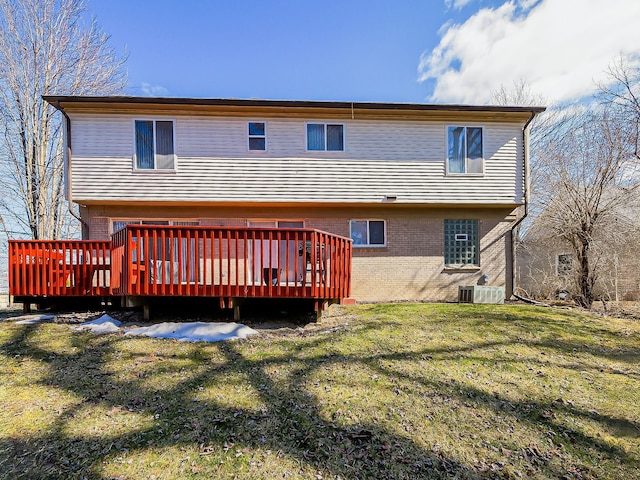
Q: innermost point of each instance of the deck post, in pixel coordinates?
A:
(319, 307)
(235, 305)
(26, 307)
(146, 312)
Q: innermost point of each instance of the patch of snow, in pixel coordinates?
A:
(34, 319)
(104, 324)
(195, 331)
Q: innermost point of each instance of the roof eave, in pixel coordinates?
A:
(58, 100)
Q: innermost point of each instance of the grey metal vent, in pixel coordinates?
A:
(480, 294)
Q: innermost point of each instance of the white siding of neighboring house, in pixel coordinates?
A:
(401, 158)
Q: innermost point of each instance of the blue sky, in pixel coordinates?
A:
(453, 51)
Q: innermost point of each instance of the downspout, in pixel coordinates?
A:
(526, 168)
(67, 164)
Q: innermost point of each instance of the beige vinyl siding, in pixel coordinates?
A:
(401, 158)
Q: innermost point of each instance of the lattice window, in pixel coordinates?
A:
(461, 246)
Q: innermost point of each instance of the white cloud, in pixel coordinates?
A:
(149, 90)
(457, 4)
(560, 47)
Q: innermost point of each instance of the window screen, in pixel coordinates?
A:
(164, 145)
(335, 137)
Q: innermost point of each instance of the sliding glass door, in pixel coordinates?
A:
(273, 261)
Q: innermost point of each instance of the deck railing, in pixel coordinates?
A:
(59, 268)
(230, 262)
(158, 260)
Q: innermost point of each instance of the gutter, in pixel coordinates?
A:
(67, 163)
(526, 167)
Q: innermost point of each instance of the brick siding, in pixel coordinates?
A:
(409, 267)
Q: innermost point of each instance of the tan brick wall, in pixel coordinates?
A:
(410, 267)
(618, 277)
(98, 228)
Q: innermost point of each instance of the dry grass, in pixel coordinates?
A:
(387, 391)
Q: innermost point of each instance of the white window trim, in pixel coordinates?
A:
(325, 123)
(154, 170)
(266, 143)
(369, 245)
(446, 148)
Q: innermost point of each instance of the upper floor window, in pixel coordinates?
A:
(154, 143)
(370, 233)
(461, 246)
(257, 136)
(325, 136)
(465, 150)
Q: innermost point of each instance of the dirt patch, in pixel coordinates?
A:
(333, 319)
(627, 310)
(617, 309)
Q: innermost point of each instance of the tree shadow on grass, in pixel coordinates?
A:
(289, 419)
(289, 422)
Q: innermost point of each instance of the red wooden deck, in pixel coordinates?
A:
(190, 261)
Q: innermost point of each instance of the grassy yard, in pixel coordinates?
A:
(392, 392)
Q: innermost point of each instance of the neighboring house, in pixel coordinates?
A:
(429, 194)
(546, 264)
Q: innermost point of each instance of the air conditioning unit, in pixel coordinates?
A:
(480, 294)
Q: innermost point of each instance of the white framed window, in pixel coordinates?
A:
(257, 136)
(465, 150)
(368, 233)
(325, 137)
(564, 264)
(154, 143)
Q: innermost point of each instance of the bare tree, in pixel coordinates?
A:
(520, 94)
(584, 179)
(621, 93)
(45, 48)
(586, 196)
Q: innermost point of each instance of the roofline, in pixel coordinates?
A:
(56, 100)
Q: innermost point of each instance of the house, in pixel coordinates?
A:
(547, 263)
(427, 194)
